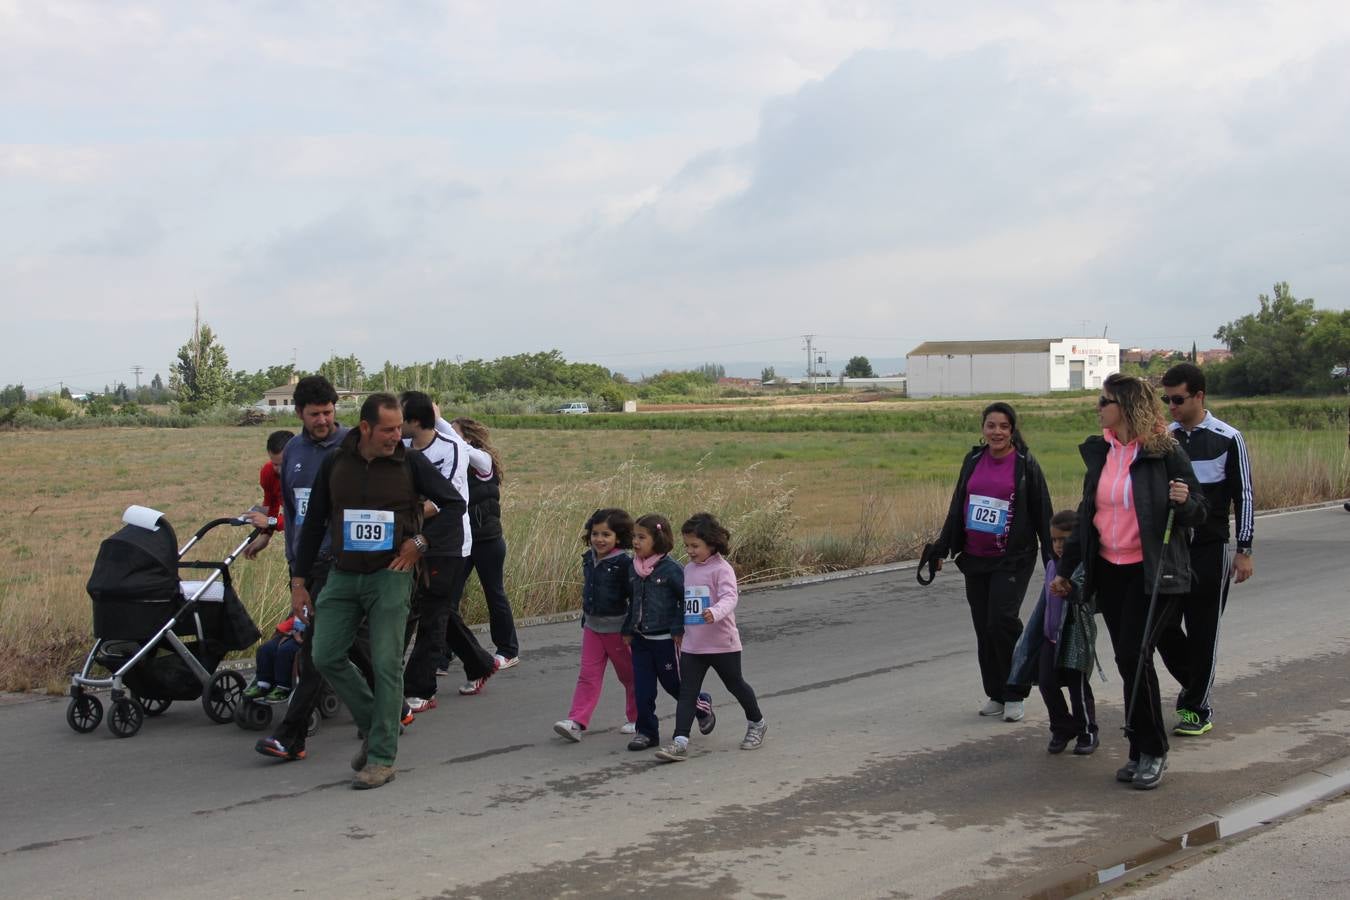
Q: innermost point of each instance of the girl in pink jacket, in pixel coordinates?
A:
(711, 640)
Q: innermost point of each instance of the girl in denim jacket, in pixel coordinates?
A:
(606, 591)
(654, 629)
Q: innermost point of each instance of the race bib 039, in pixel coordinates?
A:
(367, 530)
(987, 514)
(697, 598)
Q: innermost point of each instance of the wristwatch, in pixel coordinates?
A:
(420, 543)
(1245, 551)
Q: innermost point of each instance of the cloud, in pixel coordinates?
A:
(136, 232)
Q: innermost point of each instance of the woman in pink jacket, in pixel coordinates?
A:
(711, 640)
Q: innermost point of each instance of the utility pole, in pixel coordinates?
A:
(810, 360)
(136, 370)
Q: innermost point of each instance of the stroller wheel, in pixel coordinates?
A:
(83, 713)
(312, 726)
(126, 718)
(152, 707)
(223, 695)
(329, 704)
(253, 716)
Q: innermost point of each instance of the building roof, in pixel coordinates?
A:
(980, 348)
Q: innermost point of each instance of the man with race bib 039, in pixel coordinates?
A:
(367, 498)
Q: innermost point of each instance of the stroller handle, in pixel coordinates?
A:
(233, 521)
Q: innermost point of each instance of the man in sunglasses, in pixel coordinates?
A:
(1189, 645)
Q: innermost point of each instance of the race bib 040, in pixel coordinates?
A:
(301, 504)
(367, 530)
(697, 598)
(987, 514)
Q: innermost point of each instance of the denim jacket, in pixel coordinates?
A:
(606, 589)
(658, 600)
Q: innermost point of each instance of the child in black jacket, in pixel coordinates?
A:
(655, 627)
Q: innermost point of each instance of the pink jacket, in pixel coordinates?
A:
(1115, 518)
(719, 636)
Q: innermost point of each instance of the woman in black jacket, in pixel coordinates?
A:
(488, 556)
(1135, 471)
(999, 516)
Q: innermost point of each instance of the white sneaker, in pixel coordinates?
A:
(568, 729)
(628, 728)
(506, 662)
(1013, 711)
(992, 708)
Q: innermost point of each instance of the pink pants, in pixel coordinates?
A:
(596, 648)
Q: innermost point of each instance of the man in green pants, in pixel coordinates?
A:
(368, 497)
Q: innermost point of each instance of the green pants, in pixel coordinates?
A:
(382, 598)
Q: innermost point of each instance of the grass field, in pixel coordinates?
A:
(796, 501)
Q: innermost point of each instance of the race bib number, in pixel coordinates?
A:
(367, 530)
(697, 598)
(987, 514)
(301, 504)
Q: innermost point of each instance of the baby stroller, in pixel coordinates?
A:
(140, 610)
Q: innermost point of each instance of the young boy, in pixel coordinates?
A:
(269, 479)
(275, 662)
(1081, 721)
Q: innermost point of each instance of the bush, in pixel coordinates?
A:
(48, 408)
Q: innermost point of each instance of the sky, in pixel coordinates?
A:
(656, 185)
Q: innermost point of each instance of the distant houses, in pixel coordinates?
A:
(1033, 366)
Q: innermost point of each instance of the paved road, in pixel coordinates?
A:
(877, 778)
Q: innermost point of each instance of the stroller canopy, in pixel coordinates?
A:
(136, 564)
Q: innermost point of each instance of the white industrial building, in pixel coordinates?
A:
(961, 368)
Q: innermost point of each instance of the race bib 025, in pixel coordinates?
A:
(367, 530)
(987, 514)
(697, 598)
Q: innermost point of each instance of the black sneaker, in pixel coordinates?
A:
(1125, 774)
(1057, 744)
(1087, 743)
(707, 719)
(272, 747)
(641, 742)
(1191, 723)
(1149, 773)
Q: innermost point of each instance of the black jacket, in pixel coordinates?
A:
(1149, 477)
(1030, 510)
(485, 510)
(658, 600)
(606, 589)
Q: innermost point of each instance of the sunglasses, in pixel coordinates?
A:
(1175, 399)
(1103, 402)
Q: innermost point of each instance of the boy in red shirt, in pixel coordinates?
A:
(269, 479)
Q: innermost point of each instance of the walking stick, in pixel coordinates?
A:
(1144, 647)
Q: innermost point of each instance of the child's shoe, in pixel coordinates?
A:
(703, 711)
(754, 735)
(278, 694)
(255, 690)
(628, 728)
(569, 729)
(673, 752)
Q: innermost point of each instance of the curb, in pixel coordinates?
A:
(1261, 810)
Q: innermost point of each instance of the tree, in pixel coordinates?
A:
(859, 367)
(202, 373)
(13, 395)
(711, 372)
(1270, 347)
(345, 372)
(1329, 341)
(767, 375)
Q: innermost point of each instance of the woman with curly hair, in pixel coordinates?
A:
(1135, 471)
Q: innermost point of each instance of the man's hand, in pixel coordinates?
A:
(429, 509)
(1242, 568)
(300, 602)
(1060, 586)
(408, 556)
(260, 519)
(257, 545)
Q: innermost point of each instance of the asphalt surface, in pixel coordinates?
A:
(876, 779)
